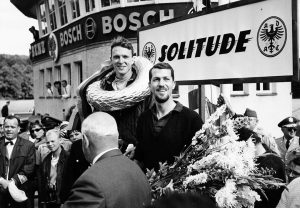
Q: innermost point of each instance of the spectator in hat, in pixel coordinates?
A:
(4, 110)
(266, 138)
(289, 141)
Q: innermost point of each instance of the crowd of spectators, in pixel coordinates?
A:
(62, 89)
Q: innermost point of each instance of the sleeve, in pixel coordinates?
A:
(67, 178)
(28, 168)
(86, 193)
(283, 200)
(196, 125)
(138, 151)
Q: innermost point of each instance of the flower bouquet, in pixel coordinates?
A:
(216, 164)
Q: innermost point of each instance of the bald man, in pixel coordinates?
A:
(113, 180)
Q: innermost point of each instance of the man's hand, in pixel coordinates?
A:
(3, 183)
(130, 151)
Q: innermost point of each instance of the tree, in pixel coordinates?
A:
(15, 77)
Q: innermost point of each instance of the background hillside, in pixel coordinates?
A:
(15, 77)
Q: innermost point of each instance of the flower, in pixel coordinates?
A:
(217, 164)
(226, 196)
(195, 179)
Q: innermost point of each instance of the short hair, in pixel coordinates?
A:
(10, 117)
(64, 81)
(57, 82)
(36, 123)
(187, 200)
(122, 42)
(53, 131)
(162, 65)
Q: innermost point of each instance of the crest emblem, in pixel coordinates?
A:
(90, 28)
(53, 47)
(149, 52)
(291, 119)
(271, 36)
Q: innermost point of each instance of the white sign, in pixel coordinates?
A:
(246, 42)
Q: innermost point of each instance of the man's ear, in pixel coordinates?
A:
(85, 141)
(174, 85)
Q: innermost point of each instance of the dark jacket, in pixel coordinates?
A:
(22, 162)
(272, 196)
(176, 135)
(114, 181)
(75, 165)
(45, 176)
(126, 118)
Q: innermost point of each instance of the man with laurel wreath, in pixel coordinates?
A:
(123, 75)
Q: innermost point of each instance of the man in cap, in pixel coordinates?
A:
(266, 139)
(289, 140)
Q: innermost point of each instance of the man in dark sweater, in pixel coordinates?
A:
(167, 128)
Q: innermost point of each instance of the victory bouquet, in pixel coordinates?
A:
(218, 165)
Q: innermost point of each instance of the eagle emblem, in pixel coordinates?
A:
(271, 36)
(149, 52)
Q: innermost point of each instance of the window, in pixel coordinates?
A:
(49, 75)
(105, 3)
(75, 8)
(263, 87)
(239, 89)
(42, 82)
(266, 88)
(43, 18)
(67, 73)
(89, 5)
(57, 73)
(52, 16)
(62, 12)
(78, 65)
(129, 1)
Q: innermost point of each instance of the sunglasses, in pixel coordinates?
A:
(290, 128)
(36, 130)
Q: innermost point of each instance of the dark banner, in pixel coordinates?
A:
(104, 26)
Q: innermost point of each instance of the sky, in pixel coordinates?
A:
(15, 37)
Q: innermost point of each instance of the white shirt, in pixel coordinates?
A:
(9, 147)
(102, 153)
(66, 91)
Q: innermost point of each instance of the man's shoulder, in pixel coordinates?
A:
(25, 142)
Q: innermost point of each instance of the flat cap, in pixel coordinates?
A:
(250, 113)
(288, 122)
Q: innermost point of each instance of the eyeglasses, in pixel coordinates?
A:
(290, 129)
(36, 130)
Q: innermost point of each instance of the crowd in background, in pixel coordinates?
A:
(49, 158)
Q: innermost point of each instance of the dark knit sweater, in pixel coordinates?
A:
(173, 138)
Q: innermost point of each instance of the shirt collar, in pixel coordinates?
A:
(102, 153)
(13, 140)
(178, 108)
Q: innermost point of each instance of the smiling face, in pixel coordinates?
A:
(161, 84)
(11, 128)
(122, 61)
(52, 141)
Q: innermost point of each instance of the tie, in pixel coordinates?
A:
(9, 142)
(287, 144)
